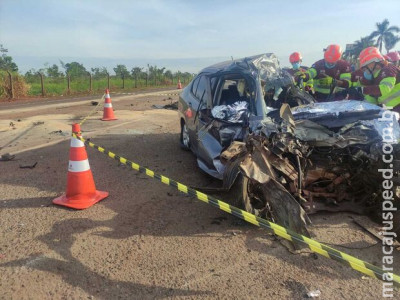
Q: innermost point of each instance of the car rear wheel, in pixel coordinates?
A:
(185, 139)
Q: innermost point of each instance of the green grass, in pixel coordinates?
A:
(81, 85)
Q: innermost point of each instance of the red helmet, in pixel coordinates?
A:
(295, 57)
(369, 55)
(332, 54)
(393, 56)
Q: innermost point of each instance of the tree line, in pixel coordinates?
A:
(76, 69)
(74, 78)
(385, 36)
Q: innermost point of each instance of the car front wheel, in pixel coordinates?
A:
(253, 199)
(245, 195)
(185, 139)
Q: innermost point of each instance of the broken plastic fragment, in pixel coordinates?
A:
(6, 157)
(314, 294)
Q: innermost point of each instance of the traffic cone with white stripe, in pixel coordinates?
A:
(108, 113)
(81, 191)
(179, 85)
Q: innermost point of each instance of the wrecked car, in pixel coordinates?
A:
(279, 154)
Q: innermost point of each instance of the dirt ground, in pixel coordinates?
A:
(146, 240)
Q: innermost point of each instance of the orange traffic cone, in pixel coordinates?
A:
(108, 113)
(81, 191)
(179, 84)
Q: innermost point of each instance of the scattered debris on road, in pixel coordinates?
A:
(55, 131)
(7, 157)
(314, 294)
(173, 106)
(28, 166)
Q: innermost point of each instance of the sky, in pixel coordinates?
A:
(181, 35)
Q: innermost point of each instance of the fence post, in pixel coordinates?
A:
(108, 80)
(41, 82)
(90, 83)
(11, 86)
(147, 78)
(135, 80)
(123, 81)
(68, 84)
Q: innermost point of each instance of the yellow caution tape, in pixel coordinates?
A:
(317, 247)
(93, 111)
(175, 94)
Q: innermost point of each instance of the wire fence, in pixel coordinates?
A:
(15, 85)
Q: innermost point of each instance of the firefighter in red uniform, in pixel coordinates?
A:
(394, 58)
(355, 92)
(298, 70)
(331, 75)
(380, 80)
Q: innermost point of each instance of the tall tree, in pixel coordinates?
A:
(121, 71)
(390, 42)
(30, 75)
(159, 73)
(168, 74)
(361, 44)
(136, 72)
(74, 69)
(382, 32)
(178, 74)
(99, 72)
(6, 61)
(54, 72)
(151, 71)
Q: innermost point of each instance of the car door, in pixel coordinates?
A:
(190, 106)
(208, 147)
(200, 98)
(214, 134)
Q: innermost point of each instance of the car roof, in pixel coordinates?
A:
(263, 63)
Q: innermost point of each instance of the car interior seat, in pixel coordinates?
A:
(233, 91)
(233, 95)
(224, 97)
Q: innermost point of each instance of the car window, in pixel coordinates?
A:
(201, 88)
(195, 84)
(234, 90)
(214, 82)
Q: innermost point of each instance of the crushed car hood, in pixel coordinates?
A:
(323, 156)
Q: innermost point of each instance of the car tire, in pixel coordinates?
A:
(184, 137)
(239, 196)
(234, 196)
(251, 204)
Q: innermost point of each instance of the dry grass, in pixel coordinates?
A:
(20, 87)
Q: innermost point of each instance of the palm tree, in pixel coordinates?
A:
(382, 32)
(361, 44)
(390, 42)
